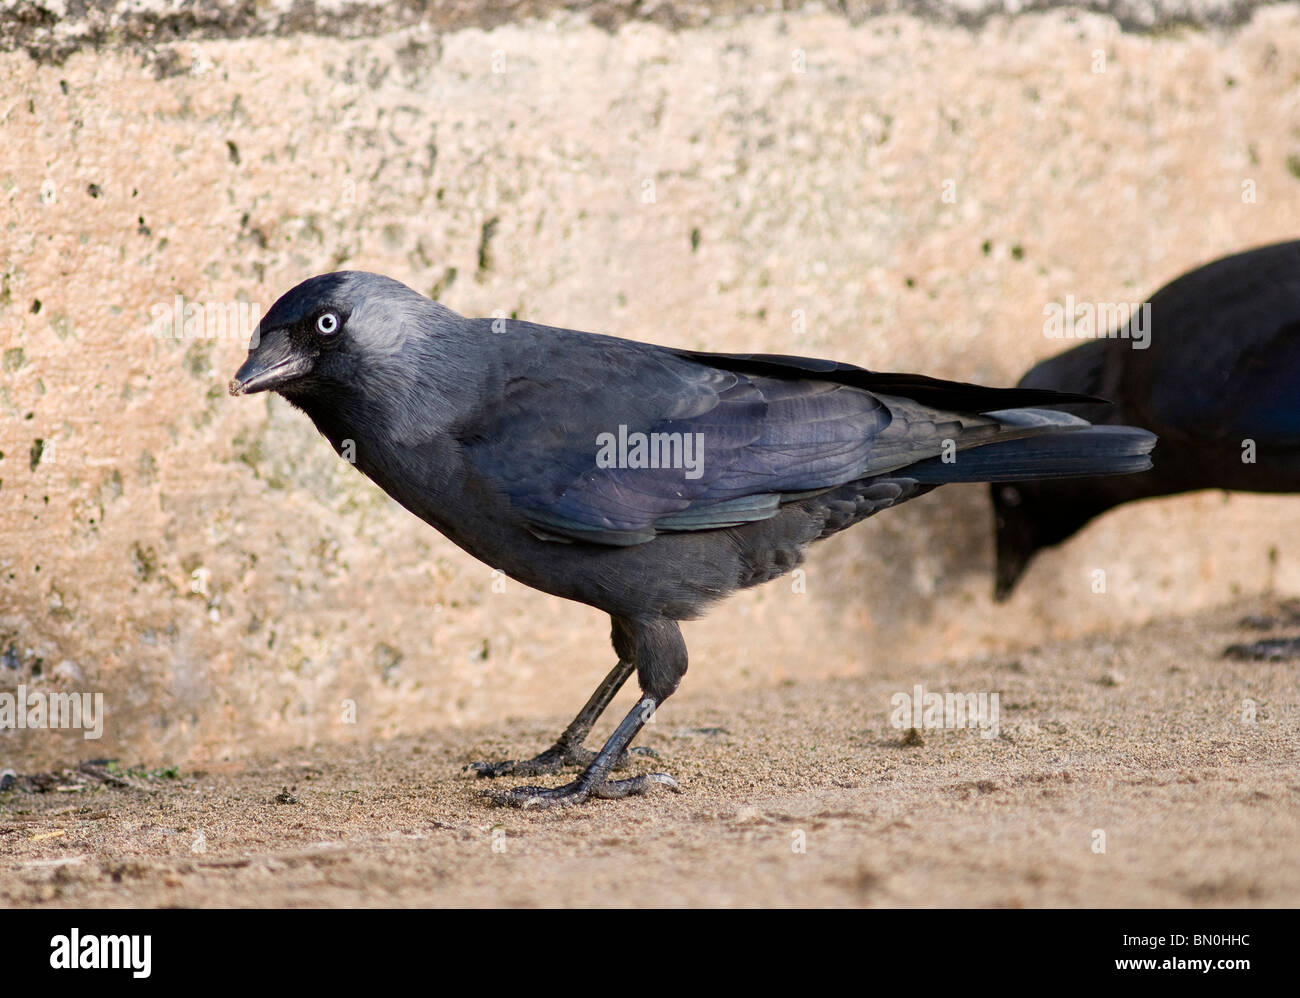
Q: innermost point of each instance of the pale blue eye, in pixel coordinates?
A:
(327, 324)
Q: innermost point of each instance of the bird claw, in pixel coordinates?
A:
(577, 792)
(554, 759)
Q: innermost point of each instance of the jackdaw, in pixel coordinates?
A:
(645, 481)
(1212, 366)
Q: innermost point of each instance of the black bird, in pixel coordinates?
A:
(641, 480)
(1218, 381)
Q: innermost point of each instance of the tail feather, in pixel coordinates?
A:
(1072, 451)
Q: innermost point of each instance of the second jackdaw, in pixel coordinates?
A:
(1211, 364)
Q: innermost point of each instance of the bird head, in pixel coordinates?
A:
(1033, 515)
(322, 335)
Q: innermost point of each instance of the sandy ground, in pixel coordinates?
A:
(1138, 744)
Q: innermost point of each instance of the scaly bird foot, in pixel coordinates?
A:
(579, 791)
(554, 759)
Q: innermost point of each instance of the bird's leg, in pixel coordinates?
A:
(655, 644)
(568, 749)
(594, 781)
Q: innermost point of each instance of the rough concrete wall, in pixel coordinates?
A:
(52, 29)
(209, 565)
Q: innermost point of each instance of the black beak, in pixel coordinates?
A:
(273, 364)
(1013, 553)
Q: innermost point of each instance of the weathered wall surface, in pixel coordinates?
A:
(211, 567)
